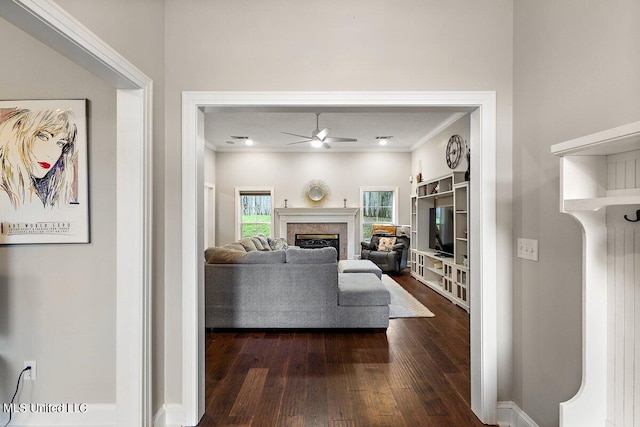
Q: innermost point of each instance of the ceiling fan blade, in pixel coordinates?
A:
(323, 134)
(336, 139)
(325, 145)
(299, 142)
(299, 136)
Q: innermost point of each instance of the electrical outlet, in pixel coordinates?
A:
(30, 375)
(528, 249)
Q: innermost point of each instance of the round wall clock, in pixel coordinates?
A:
(454, 151)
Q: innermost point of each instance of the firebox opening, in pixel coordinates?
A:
(317, 241)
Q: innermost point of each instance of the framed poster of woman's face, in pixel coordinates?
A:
(43, 172)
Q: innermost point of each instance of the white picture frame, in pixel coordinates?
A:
(44, 195)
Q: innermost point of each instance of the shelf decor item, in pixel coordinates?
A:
(467, 174)
(43, 171)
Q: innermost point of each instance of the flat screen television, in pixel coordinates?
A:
(441, 233)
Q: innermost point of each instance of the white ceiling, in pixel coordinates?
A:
(409, 127)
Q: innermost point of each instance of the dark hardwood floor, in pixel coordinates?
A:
(414, 374)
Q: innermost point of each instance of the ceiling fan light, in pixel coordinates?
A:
(383, 141)
(248, 142)
(316, 143)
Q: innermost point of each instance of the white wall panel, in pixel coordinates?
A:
(623, 171)
(623, 318)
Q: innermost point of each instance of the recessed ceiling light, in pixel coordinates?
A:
(383, 140)
(246, 139)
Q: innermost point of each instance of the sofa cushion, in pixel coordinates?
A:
(312, 256)
(223, 255)
(361, 289)
(263, 257)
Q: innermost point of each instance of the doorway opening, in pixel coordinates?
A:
(482, 107)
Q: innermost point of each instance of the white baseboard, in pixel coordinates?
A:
(88, 415)
(510, 415)
(168, 416)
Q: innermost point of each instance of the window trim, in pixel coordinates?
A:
(394, 215)
(238, 208)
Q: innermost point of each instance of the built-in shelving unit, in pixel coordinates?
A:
(599, 186)
(448, 276)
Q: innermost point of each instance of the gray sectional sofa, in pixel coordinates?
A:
(290, 288)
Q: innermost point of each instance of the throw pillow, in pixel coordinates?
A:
(383, 229)
(223, 255)
(265, 242)
(256, 241)
(235, 245)
(386, 243)
(248, 244)
(278, 244)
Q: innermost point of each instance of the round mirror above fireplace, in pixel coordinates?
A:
(316, 192)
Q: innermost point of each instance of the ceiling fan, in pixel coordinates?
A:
(319, 137)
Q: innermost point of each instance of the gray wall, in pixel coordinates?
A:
(57, 302)
(576, 69)
(135, 29)
(344, 174)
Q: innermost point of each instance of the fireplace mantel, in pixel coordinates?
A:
(317, 211)
(320, 215)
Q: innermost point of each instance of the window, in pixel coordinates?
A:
(254, 212)
(378, 205)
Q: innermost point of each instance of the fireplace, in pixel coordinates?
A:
(324, 229)
(341, 221)
(317, 241)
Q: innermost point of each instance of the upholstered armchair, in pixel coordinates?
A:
(387, 251)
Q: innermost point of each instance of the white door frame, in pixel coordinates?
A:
(48, 22)
(482, 250)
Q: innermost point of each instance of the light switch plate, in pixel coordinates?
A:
(528, 249)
